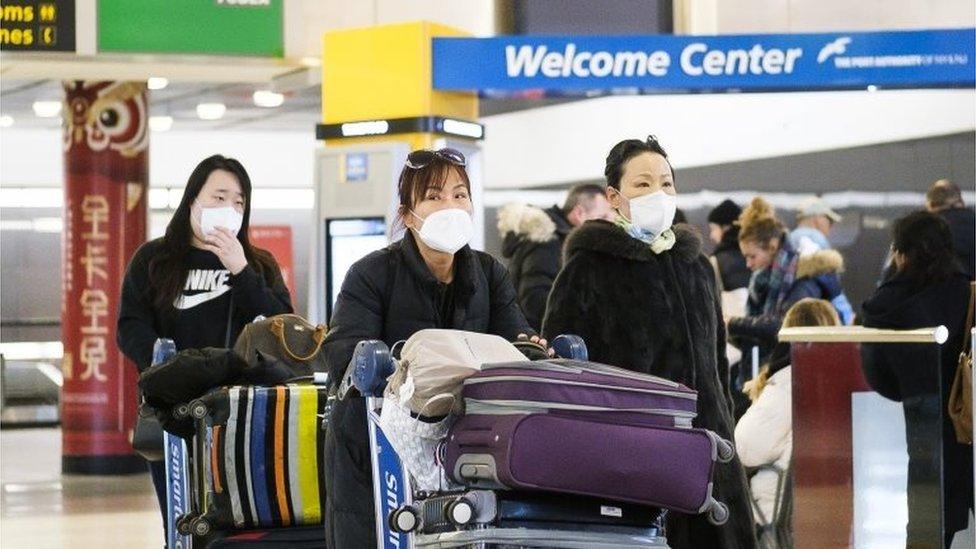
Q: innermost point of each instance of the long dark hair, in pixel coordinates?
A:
(924, 239)
(168, 268)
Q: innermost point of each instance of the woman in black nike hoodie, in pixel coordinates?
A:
(202, 281)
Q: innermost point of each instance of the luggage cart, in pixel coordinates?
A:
(483, 518)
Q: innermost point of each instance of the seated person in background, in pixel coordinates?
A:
(945, 199)
(814, 221)
(533, 243)
(764, 435)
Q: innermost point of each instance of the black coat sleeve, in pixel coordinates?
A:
(253, 296)
(539, 269)
(566, 310)
(136, 329)
(765, 328)
(722, 361)
(507, 319)
(358, 315)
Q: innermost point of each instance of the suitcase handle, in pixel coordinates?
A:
(480, 437)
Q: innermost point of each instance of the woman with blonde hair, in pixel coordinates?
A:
(764, 435)
(780, 278)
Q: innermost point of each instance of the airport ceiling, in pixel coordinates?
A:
(300, 111)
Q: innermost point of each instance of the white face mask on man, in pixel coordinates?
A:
(227, 217)
(446, 230)
(653, 212)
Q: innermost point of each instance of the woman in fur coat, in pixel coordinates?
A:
(642, 295)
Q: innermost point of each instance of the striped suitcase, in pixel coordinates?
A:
(257, 459)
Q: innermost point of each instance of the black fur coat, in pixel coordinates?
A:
(657, 314)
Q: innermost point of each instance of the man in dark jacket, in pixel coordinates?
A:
(533, 243)
(945, 198)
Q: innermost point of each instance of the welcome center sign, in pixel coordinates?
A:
(898, 59)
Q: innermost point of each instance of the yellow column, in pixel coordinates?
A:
(382, 73)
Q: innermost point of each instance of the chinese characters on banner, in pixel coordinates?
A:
(106, 164)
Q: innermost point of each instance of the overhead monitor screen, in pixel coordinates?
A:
(347, 241)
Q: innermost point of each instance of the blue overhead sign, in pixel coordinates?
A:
(667, 63)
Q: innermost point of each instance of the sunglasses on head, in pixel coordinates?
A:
(419, 160)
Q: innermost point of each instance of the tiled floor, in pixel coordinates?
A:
(41, 509)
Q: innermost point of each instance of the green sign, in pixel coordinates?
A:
(208, 27)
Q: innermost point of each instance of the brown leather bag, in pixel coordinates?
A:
(285, 342)
(961, 394)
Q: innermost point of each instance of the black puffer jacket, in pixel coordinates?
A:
(533, 246)
(657, 314)
(389, 295)
(904, 373)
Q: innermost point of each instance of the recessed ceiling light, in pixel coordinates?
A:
(160, 123)
(211, 111)
(157, 83)
(47, 109)
(268, 99)
(6, 121)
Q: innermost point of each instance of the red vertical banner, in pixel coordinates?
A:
(106, 164)
(277, 240)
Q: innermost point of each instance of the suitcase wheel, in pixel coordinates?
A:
(182, 411)
(200, 526)
(718, 514)
(404, 520)
(183, 525)
(725, 451)
(459, 512)
(198, 410)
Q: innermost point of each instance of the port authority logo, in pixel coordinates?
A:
(834, 51)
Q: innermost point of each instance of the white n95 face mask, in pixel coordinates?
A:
(653, 212)
(227, 217)
(446, 230)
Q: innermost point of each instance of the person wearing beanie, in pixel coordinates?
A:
(731, 274)
(730, 265)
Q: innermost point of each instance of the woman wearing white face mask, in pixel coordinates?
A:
(430, 278)
(643, 297)
(203, 280)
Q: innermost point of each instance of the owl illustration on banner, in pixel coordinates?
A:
(108, 118)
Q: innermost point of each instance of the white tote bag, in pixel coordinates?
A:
(435, 363)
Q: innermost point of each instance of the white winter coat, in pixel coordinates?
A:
(764, 436)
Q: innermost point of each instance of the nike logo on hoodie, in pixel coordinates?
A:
(212, 283)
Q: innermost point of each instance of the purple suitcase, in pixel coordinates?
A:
(585, 428)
